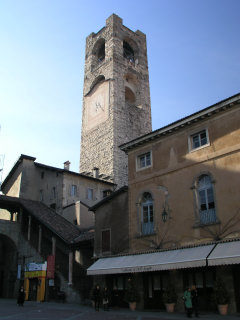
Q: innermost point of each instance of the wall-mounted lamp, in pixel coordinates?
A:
(164, 215)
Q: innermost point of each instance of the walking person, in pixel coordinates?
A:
(194, 294)
(105, 299)
(21, 297)
(187, 297)
(97, 297)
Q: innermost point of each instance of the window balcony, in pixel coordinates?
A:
(208, 216)
(147, 228)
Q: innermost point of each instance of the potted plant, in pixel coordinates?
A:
(132, 295)
(221, 296)
(170, 297)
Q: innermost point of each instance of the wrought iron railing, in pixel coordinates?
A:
(147, 228)
(208, 216)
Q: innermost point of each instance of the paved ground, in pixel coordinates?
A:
(60, 311)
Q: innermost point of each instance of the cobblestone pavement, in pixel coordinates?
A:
(59, 311)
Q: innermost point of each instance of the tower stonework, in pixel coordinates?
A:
(116, 98)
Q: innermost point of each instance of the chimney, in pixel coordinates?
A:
(67, 165)
(95, 172)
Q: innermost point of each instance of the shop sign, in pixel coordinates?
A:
(137, 269)
(35, 274)
(32, 266)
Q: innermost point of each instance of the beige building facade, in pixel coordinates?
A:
(68, 193)
(192, 175)
(183, 209)
(47, 205)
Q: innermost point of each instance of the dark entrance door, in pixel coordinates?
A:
(154, 285)
(236, 277)
(117, 285)
(1, 283)
(203, 279)
(8, 266)
(33, 285)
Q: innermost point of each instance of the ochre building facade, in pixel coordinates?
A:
(183, 210)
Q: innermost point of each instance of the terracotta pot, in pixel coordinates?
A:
(132, 305)
(170, 307)
(222, 309)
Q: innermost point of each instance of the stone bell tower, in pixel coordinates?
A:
(116, 98)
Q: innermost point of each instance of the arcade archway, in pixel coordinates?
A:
(8, 267)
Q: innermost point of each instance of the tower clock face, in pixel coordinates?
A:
(96, 105)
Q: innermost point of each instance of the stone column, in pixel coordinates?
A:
(53, 246)
(39, 238)
(29, 227)
(70, 267)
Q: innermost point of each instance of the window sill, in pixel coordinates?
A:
(141, 235)
(143, 168)
(199, 148)
(200, 225)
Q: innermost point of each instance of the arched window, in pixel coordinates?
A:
(206, 203)
(129, 96)
(128, 52)
(101, 52)
(147, 214)
(131, 85)
(98, 53)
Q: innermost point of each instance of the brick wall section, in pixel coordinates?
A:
(99, 145)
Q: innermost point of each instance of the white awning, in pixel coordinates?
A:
(164, 260)
(225, 253)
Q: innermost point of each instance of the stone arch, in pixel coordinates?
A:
(199, 175)
(99, 49)
(130, 84)
(140, 195)
(95, 82)
(130, 97)
(8, 267)
(98, 52)
(208, 215)
(130, 49)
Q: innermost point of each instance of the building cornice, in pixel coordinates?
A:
(182, 123)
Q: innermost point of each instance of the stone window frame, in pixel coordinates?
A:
(195, 133)
(195, 190)
(131, 85)
(41, 195)
(138, 161)
(130, 50)
(97, 56)
(139, 207)
(53, 194)
(92, 194)
(109, 244)
(74, 190)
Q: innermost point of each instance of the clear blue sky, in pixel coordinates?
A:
(193, 55)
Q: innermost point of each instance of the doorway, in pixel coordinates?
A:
(154, 285)
(33, 287)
